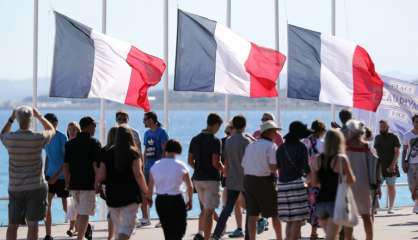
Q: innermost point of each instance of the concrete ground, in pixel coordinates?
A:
(399, 226)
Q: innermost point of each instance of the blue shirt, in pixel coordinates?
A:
(153, 142)
(55, 154)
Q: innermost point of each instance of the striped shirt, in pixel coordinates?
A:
(25, 158)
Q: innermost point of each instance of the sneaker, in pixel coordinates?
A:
(47, 237)
(415, 209)
(390, 211)
(71, 233)
(144, 222)
(262, 225)
(198, 237)
(236, 233)
(89, 232)
(158, 225)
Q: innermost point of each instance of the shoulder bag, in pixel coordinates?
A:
(345, 209)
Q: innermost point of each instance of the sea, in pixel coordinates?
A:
(183, 125)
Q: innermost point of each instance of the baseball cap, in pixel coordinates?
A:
(51, 117)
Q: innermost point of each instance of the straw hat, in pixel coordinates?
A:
(267, 125)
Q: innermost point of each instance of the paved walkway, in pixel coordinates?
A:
(402, 225)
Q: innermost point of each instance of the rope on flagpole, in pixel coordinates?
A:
(35, 58)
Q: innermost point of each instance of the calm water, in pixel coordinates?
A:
(183, 126)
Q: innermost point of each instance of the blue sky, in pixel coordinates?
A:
(388, 29)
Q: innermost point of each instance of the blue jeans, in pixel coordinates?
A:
(231, 199)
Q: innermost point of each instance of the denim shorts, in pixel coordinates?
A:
(324, 210)
(390, 180)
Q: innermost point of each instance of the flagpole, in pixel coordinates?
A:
(277, 42)
(102, 209)
(165, 49)
(102, 101)
(333, 34)
(228, 24)
(35, 58)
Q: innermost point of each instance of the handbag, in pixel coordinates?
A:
(345, 210)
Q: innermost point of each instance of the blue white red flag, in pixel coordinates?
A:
(331, 70)
(212, 58)
(89, 64)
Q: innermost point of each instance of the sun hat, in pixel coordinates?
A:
(298, 130)
(267, 125)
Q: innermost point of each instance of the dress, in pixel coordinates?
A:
(361, 188)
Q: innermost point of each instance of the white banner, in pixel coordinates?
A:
(399, 104)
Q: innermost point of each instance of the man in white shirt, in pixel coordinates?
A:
(260, 167)
(410, 157)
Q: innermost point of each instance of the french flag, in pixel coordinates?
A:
(212, 58)
(89, 64)
(331, 70)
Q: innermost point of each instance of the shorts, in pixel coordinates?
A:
(27, 206)
(58, 188)
(123, 219)
(390, 181)
(147, 168)
(325, 210)
(84, 201)
(209, 193)
(413, 176)
(260, 196)
(71, 211)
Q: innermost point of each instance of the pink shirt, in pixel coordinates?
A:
(278, 140)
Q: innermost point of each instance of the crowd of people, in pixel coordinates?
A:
(293, 179)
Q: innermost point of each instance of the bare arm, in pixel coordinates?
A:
(101, 173)
(404, 160)
(45, 123)
(188, 182)
(57, 174)
(217, 163)
(314, 173)
(139, 176)
(348, 172)
(151, 184)
(273, 168)
(404, 152)
(396, 157)
(226, 167)
(8, 125)
(190, 160)
(67, 175)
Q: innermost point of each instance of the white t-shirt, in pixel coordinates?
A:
(168, 176)
(258, 155)
(413, 151)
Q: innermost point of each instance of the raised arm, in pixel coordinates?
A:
(45, 123)
(8, 125)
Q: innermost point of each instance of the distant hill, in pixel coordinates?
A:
(13, 90)
(20, 91)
